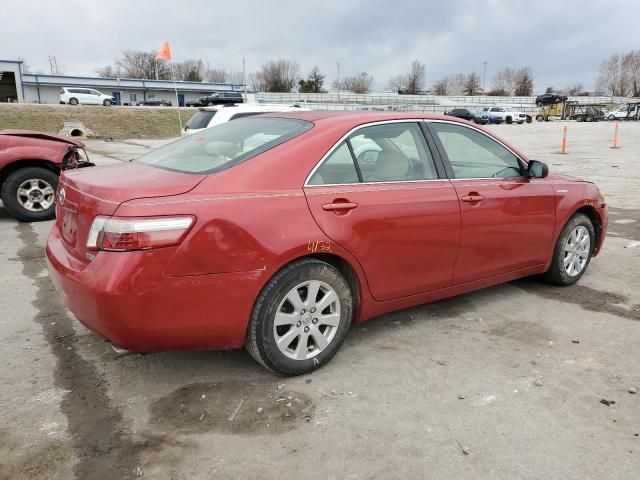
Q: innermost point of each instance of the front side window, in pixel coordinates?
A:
(473, 154)
(226, 145)
(392, 152)
(337, 169)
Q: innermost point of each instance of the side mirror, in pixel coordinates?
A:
(536, 169)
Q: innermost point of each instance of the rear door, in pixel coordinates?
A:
(507, 219)
(380, 195)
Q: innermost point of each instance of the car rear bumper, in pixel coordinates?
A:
(126, 298)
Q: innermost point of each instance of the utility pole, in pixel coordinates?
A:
(484, 77)
(244, 78)
(338, 64)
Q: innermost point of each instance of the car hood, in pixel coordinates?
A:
(42, 136)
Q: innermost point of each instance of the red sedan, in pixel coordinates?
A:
(277, 232)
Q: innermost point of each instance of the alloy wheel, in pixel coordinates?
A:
(307, 320)
(577, 249)
(35, 195)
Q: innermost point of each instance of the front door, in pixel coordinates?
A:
(180, 100)
(507, 219)
(378, 195)
(116, 96)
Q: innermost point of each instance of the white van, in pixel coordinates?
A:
(211, 116)
(85, 96)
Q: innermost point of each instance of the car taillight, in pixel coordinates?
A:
(137, 233)
(61, 92)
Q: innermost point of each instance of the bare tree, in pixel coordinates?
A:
(442, 86)
(360, 83)
(279, 75)
(472, 84)
(190, 70)
(524, 82)
(255, 82)
(456, 85)
(575, 89)
(631, 65)
(504, 80)
(138, 64)
(613, 78)
(109, 71)
(396, 83)
(414, 80)
(216, 75)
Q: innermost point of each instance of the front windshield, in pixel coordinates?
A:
(223, 146)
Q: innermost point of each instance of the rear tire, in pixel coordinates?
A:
(73, 101)
(28, 194)
(570, 251)
(278, 325)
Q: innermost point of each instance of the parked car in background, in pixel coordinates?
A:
(210, 116)
(624, 112)
(508, 114)
(155, 102)
(218, 98)
(470, 115)
(84, 96)
(492, 117)
(550, 99)
(194, 103)
(30, 163)
(269, 232)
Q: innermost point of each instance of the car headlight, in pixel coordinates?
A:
(601, 196)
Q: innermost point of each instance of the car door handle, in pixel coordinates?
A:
(472, 197)
(332, 207)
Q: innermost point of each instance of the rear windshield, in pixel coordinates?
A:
(223, 146)
(200, 119)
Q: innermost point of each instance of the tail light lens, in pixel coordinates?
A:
(137, 233)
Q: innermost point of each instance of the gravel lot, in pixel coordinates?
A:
(506, 382)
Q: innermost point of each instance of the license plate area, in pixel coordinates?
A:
(70, 223)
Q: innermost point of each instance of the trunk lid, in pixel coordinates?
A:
(85, 193)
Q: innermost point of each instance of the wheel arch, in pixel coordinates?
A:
(32, 162)
(596, 221)
(344, 266)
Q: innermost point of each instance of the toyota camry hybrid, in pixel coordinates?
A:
(276, 232)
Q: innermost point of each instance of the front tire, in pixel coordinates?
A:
(107, 103)
(573, 251)
(28, 194)
(301, 318)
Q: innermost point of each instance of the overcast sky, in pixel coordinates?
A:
(563, 41)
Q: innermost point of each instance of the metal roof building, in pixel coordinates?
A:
(18, 86)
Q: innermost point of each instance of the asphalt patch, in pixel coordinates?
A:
(232, 406)
(583, 296)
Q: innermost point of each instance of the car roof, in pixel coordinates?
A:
(345, 117)
(248, 107)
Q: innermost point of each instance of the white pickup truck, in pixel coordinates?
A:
(509, 114)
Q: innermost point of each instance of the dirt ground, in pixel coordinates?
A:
(503, 383)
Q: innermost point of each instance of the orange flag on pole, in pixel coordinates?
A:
(165, 52)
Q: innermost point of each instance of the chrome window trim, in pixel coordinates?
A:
(346, 135)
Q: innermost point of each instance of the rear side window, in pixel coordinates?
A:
(392, 152)
(201, 119)
(226, 145)
(337, 169)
